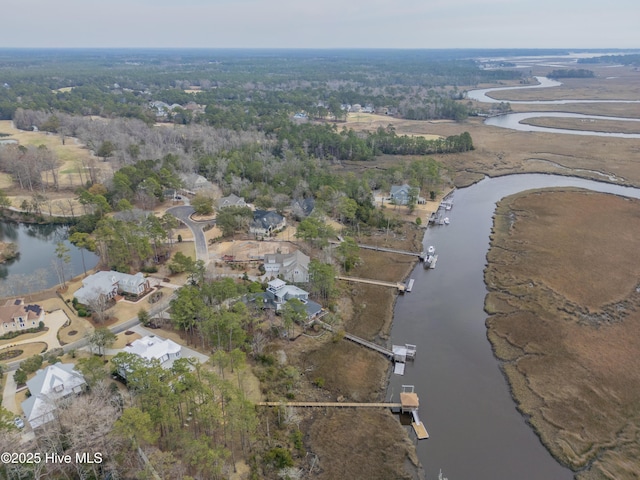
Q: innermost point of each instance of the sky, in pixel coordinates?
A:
(320, 23)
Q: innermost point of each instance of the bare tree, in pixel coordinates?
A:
(99, 304)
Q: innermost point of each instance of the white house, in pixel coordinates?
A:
(50, 388)
(293, 267)
(155, 348)
(16, 315)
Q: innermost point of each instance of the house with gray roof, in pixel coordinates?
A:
(302, 207)
(293, 267)
(401, 194)
(194, 183)
(231, 201)
(279, 293)
(109, 284)
(265, 222)
(51, 388)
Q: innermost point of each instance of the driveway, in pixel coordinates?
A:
(9, 394)
(183, 213)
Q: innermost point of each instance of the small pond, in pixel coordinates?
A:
(33, 270)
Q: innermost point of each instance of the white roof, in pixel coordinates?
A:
(151, 347)
(50, 384)
(276, 283)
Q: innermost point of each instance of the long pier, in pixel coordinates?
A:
(390, 250)
(384, 249)
(361, 341)
(401, 287)
(330, 404)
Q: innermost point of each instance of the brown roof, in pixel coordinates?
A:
(17, 308)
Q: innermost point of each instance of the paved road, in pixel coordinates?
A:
(183, 213)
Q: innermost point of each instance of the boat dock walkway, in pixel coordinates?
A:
(330, 404)
(401, 287)
(382, 249)
(361, 341)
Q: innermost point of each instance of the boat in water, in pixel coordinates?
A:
(446, 220)
(431, 250)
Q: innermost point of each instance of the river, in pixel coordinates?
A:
(476, 431)
(513, 121)
(32, 270)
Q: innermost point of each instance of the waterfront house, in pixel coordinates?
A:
(293, 267)
(401, 194)
(279, 293)
(109, 284)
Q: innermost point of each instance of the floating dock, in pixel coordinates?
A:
(410, 403)
(409, 285)
(418, 426)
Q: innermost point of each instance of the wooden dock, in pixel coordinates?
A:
(330, 404)
(360, 341)
(381, 249)
(397, 285)
(418, 426)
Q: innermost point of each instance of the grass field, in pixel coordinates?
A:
(71, 154)
(565, 322)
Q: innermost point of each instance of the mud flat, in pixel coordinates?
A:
(564, 305)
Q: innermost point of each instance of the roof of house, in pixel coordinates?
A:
(289, 261)
(100, 283)
(231, 201)
(304, 205)
(276, 284)
(266, 219)
(191, 180)
(17, 308)
(395, 189)
(152, 347)
(48, 385)
(103, 283)
(128, 283)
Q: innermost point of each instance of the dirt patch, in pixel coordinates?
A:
(565, 321)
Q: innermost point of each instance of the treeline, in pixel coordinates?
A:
(571, 73)
(628, 59)
(324, 141)
(241, 89)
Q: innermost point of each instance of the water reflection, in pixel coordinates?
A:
(32, 270)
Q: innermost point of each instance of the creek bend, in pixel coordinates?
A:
(476, 431)
(513, 121)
